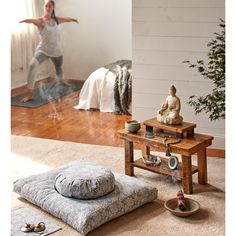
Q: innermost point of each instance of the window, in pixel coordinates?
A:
(23, 36)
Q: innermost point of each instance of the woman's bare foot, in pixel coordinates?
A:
(64, 82)
(28, 97)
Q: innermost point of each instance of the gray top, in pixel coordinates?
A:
(50, 43)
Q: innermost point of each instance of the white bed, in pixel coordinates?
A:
(98, 91)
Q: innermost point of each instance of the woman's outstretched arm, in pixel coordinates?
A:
(37, 22)
(66, 19)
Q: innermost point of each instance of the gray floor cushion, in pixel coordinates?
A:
(85, 215)
(85, 181)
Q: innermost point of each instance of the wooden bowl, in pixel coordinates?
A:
(191, 207)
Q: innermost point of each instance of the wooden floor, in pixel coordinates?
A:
(60, 121)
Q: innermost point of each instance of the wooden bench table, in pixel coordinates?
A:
(196, 144)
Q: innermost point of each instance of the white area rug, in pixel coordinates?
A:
(34, 155)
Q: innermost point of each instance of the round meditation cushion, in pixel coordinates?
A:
(85, 181)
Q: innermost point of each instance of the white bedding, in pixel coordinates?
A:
(98, 91)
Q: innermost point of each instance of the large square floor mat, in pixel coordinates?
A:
(85, 215)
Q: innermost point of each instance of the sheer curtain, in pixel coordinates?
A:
(24, 36)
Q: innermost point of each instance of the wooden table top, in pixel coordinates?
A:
(185, 126)
(187, 146)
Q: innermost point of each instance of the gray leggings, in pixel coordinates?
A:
(38, 58)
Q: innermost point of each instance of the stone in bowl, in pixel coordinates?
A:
(132, 126)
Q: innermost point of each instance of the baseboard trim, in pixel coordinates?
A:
(211, 152)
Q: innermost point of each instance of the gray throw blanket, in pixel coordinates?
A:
(123, 85)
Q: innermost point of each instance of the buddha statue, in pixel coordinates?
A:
(170, 109)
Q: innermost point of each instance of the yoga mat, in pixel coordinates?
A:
(22, 215)
(46, 94)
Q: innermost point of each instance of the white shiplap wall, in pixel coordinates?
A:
(165, 33)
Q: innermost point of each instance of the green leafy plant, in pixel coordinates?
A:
(214, 70)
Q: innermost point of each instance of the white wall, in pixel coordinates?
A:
(165, 33)
(102, 36)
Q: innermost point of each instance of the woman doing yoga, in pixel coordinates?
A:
(49, 45)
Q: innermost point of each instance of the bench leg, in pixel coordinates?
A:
(202, 166)
(145, 150)
(187, 174)
(129, 158)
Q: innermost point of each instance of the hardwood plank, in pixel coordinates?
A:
(213, 152)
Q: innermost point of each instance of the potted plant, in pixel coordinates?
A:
(214, 70)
